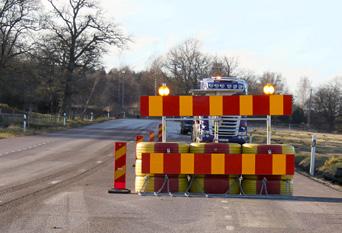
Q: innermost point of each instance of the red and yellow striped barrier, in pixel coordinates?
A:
(218, 164)
(151, 136)
(160, 132)
(139, 138)
(120, 168)
(246, 105)
(273, 185)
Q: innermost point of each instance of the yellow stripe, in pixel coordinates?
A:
(120, 152)
(156, 163)
(155, 105)
(246, 105)
(185, 105)
(216, 105)
(276, 105)
(279, 164)
(187, 163)
(217, 164)
(120, 172)
(248, 164)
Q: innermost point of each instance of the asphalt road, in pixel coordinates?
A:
(58, 183)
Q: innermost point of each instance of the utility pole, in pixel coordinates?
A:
(309, 112)
(123, 91)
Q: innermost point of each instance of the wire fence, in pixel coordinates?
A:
(34, 120)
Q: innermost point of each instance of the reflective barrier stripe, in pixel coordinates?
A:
(120, 165)
(228, 164)
(247, 105)
(160, 132)
(151, 136)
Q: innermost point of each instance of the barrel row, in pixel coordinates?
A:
(213, 184)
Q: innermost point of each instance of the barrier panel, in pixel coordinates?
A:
(139, 138)
(120, 150)
(160, 132)
(218, 164)
(151, 136)
(246, 105)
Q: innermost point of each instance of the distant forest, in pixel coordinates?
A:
(50, 62)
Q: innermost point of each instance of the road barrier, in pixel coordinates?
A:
(246, 105)
(120, 150)
(139, 138)
(151, 136)
(215, 168)
(160, 132)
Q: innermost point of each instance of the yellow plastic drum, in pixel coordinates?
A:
(266, 149)
(254, 185)
(154, 183)
(224, 148)
(161, 147)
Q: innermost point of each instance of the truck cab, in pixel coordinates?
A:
(225, 128)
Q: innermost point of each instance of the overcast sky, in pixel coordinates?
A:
(294, 37)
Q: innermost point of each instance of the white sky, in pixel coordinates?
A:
(294, 37)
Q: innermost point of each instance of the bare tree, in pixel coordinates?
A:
(276, 79)
(17, 19)
(303, 91)
(327, 103)
(187, 64)
(229, 66)
(80, 34)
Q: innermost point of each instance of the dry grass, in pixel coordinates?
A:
(329, 149)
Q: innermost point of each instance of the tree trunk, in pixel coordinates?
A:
(66, 104)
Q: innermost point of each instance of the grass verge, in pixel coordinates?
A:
(16, 130)
(329, 151)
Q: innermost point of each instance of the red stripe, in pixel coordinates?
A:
(231, 105)
(216, 184)
(120, 184)
(216, 148)
(275, 149)
(139, 138)
(166, 148)
(261, 105)
(173, 184)
(202, 164)
(287, 102)
(172, 163)
(145, 160)
(144, 109)
(233, 164)
(263, 164)
(273, 187)
(200, 105)
(120, 162)
(171, 106)
(290, 164)
(119, 145)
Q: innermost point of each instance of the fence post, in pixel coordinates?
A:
(313, 155)
(25, 122)
(91, 116)
(64, 120)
